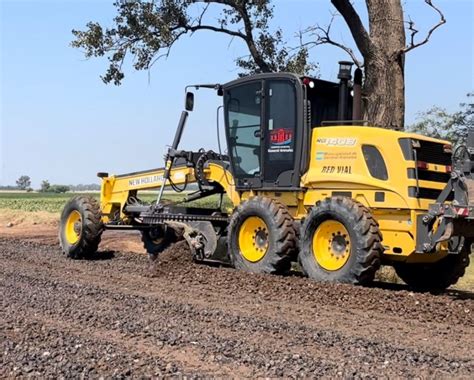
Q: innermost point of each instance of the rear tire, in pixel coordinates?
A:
(262, 237)
(438, 276)
(340, 242)
(81, 227)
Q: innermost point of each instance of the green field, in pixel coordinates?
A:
(51, 202)
(33, 201)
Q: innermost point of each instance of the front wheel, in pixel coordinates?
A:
(340, 242)
(80, 227)
(261, 236)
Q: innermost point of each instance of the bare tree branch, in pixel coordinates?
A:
(353, 21)
(411, 27)
(250, 40)
(194, 28)
(248, 27)
(414, 31)
(191, 27)
(203, 13)
(323, 37)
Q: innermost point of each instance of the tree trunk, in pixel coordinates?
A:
(384, 86)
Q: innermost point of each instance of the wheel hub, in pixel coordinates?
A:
(331, 245)
(338, 244)
(78, 228)
(73, 229)
(261, 238)
(253, 239)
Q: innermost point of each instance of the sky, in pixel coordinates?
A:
(60, 122)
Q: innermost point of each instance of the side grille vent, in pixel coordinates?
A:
(426, 193)
(425, 175)
(433, 153)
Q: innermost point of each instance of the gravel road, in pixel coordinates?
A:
(116, 316)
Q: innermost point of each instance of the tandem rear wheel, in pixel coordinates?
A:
(340, 242)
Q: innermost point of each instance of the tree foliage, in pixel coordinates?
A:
(59, 189)
(24, 182)
(147, 30)
(437, 122)
(46, 187)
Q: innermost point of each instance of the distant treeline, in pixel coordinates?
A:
(47, 188)
(87, 187)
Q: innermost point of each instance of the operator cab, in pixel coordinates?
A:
(268, 121)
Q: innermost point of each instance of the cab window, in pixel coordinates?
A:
(243, 106)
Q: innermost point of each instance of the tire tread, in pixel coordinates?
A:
(369, 248)
(92, 227)
(278, 261)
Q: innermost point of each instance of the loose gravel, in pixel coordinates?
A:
(118, 316)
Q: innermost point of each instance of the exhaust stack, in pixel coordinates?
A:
(345, 75)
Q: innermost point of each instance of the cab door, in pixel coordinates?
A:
(263, 138)
(279, 132)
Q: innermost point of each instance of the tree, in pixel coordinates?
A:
(439, 123)
(467, 110)
(148, 29)
(383, 49)
(59, 189)
(24, 182)
(45, 186)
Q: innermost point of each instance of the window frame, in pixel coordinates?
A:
(289, 181)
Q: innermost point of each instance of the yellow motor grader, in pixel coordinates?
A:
(309, 182)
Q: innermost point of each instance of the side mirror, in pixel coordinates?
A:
(189, 103)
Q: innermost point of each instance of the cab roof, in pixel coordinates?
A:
(279, 75)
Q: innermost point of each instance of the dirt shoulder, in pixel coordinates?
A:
(42, 227)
